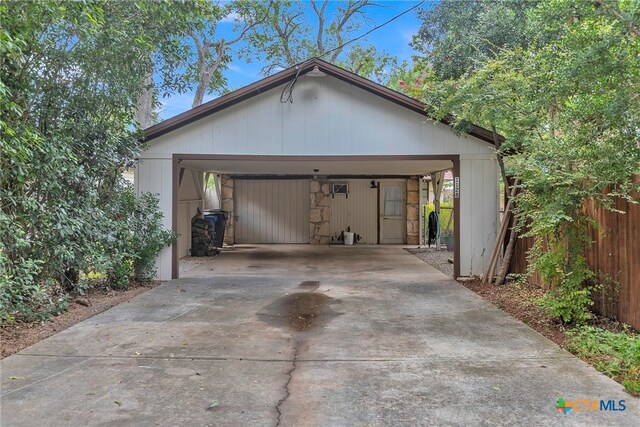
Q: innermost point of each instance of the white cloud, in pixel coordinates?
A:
(232, 17)
(242, 71)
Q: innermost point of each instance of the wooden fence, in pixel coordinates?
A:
(614, 256)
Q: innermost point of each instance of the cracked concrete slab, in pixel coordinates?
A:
(303, 336)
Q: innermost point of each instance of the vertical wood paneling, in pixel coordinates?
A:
(490, 210)
(155, 176)
(186, 211)
(272, 211)
(359, 211)
(614, 256)
(478, 214)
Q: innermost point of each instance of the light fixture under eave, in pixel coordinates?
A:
(316, 72)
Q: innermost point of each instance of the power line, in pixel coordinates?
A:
(287, 92)
(373, 29)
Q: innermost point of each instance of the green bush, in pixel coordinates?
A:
(149, 237)
(122, 243)
(132, 237)
(560, 262)
(66, 212)
(570, 298)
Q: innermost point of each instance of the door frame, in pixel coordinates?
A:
(402, 182)
(177, 157)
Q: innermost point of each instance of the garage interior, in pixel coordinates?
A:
(310, 200)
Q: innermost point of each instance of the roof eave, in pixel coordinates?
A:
(284, 76)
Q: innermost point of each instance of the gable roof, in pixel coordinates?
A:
(278, 79)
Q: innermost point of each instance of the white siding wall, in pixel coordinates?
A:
(331, 117)
(478, 212)
(186, 211)
(189, 200)
(359, 211)
(154, 176)
(327, 117)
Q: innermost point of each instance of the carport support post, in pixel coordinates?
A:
(456, 215)
(175, 178)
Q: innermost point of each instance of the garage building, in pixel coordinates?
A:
(346, 153)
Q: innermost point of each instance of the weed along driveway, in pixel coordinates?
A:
(304, 336)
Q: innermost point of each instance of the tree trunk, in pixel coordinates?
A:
(200, 91)
(508, 253)
(144, 104)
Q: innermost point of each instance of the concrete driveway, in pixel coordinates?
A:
(304, 336)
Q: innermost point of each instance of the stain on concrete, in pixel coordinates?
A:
(309, 285)
(266, 255)
(299, 311)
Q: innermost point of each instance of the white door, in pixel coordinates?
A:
(392, 208)
(271, 211)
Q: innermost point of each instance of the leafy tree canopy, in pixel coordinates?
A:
(566, 101)
(71, 72)
(458, 36)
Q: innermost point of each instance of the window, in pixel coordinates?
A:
(392, 200)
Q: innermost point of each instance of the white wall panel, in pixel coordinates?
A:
(154, 177)
(189, 200)
(327, 117)
(186, 211)
(359, 211)
(478, 213)
(271, 211)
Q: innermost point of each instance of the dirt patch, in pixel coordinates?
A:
(21, 335)
(519, 301)
(189, 263)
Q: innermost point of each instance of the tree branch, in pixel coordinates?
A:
(320, 12)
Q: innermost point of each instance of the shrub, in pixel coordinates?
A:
(560, 262)
(616, 354)
(570, 298)
(133, 238)
(147, 235)
(125, 239)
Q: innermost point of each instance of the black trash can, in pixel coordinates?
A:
(218, 219)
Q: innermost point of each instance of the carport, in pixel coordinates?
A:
(347, 153)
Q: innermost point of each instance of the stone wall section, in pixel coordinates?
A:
(413, 211)
(226, 201)
(320, 212)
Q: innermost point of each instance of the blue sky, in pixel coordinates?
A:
(393, 38)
